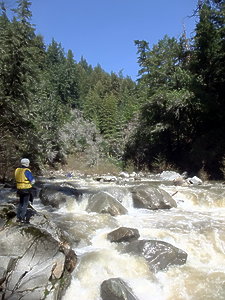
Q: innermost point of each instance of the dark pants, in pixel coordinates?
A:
(24, 197)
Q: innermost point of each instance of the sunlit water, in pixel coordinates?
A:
(196, 226)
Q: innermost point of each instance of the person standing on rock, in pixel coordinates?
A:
(24, 182)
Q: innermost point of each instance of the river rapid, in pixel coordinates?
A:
(196, 226)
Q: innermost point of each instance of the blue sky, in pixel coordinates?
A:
(103, 31)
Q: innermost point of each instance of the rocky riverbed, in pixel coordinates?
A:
(36, 259)
(103, 237)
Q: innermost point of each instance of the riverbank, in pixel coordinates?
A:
(112, 223)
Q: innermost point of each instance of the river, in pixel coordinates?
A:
(196, 226)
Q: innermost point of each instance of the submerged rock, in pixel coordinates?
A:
(123, 234)
(152, 198)
(35, 260)
(194, 181)
(103, 202)
(56, 194)
(158, 254)
(116, 289)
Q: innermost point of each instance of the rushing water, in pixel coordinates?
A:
(196, 226)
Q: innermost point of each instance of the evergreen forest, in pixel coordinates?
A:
(53, 107)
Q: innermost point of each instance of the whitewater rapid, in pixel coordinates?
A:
(196, 226)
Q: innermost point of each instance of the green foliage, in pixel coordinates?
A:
(52, 106)
(108, 116)
(18, 78)
(209, 69)
(30, 112)
(222, 168)
(166, 123)
(162, 67)
(182, 119)
(39, 85)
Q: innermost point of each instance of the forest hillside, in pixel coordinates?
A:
(58, 111)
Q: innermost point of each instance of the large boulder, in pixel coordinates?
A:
(152, 198)
(169, 175)
(103, 202)
(36, 260)
(57, 194)
(123, 234)
(118, 192)
(116, 289)
(158, 254)
(194, 181)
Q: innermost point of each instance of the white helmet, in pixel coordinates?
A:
(25, 162)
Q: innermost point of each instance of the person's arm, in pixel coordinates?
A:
(29, 176)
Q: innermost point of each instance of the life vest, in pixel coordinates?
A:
(21, 180)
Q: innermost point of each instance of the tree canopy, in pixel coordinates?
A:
(182, 120)
(53, 105)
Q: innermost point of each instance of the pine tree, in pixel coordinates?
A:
(19, 72)
(208, 66)
(19, 67)
(72, 81)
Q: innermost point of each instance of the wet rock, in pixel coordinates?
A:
(35, 259)
(169, 175)
(194, 181)
(152, 198)
(7, 211)
(124, 175)
(123, 234)
(118, 192)
(106, 178)
(7, 194)
(105, 203)
(158, 254)
(116, 289)
(180, 181)
(56, 194)
(71, 257)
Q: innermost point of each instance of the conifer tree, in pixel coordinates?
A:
(19, 79)
(19, 71)
(72, 81)
(208, 66)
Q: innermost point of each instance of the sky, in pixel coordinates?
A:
(103, 31)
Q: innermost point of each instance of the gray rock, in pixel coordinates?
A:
(158, 254)
(118, 192)
(56, 194)
(123, 234)
(194, 181)
(116, 289)
(7, 194)
(169, 175)
(105, 203)
(152, 198)
(180, 181)
(124, 175)
(7, 211)
(35, 259)
(106, 178)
